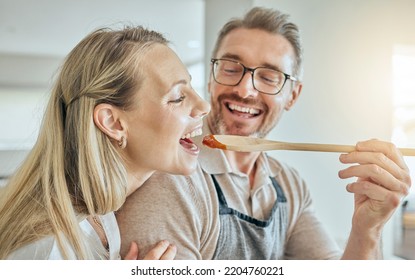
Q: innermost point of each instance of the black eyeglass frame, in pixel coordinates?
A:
(252, 70)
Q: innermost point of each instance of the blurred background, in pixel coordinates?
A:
(359, 71)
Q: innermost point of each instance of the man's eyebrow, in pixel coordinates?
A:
(271, 66)
(238, 58)
(231, 56)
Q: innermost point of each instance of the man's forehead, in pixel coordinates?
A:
(255, 47)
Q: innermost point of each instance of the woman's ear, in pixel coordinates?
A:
(107, 119)
(295, 93)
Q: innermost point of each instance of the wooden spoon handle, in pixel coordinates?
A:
(311, 147)
(287, 146)
(329, 148)
(315, 147)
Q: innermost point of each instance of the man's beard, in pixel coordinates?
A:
(218, 125)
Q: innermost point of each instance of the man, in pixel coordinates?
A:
(248, 205)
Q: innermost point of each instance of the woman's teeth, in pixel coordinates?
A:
(194, 133)
(251, 111)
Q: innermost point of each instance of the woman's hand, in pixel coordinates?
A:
(162, 251)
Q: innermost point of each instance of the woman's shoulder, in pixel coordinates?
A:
(43, 249)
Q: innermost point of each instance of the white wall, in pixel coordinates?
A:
(21, 112)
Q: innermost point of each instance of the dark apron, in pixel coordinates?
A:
(242, 237)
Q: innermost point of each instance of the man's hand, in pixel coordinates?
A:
(382, 181)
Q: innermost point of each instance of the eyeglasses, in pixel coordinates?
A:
(265, 80)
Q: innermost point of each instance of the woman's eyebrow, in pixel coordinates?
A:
(182, 81)
(179, 82)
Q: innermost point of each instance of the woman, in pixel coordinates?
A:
(122, 108)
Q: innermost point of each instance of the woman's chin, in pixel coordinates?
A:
(188, 168)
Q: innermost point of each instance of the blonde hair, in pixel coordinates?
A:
(74, 170)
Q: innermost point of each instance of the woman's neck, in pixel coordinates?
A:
(136, 180)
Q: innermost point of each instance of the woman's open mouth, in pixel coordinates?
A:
(187, 143)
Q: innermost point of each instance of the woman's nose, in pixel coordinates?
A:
(201, 108)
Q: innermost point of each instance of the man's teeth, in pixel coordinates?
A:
(194, 133)
(251, 111)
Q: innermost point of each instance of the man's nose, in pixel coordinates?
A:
(245, 88)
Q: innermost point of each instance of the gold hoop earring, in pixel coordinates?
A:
(122, 143)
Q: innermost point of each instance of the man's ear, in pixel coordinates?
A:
(107, 119)
(295, 93)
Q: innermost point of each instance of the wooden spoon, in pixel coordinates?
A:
(249, 144)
